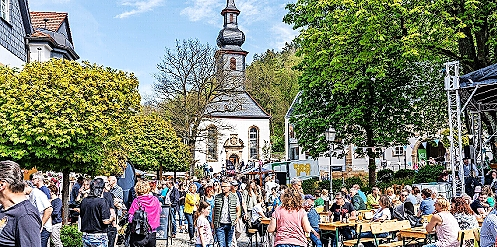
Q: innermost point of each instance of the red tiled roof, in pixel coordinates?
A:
(54, 20)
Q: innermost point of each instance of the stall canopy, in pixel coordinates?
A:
(479, 89)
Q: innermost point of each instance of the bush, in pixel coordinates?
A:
(309, 186)
(404, 173)
(428, 173)
(70, 236)
(384, 176)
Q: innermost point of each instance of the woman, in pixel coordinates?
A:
(209, 198)
(445, 225)
(391, 195)
(380, 214)
(250, 196)
(217, 188)
(83, 191)
(191, 200)
(151, 205)
(203, 225)
(320, 200)
(490, 196)
(426, 206)
(492, 180)
(290, 221)
(417, 193)
(345, 194)
(257, 214)
(464, 215)
(182, 195)
(56, 215)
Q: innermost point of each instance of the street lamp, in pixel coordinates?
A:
(330, 137)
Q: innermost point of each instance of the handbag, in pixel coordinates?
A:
(414, 220)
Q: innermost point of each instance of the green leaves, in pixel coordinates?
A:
(60, 114)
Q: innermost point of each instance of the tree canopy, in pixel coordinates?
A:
(61, 115)
(272, 81)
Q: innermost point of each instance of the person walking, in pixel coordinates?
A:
(191, 200)
(225, 215)
(181, 210)
(21, 220)
(172, 198)
(41, 202)
(290, 221)
(203, 226)
(95, 216)
(151, 205)
(56, 216)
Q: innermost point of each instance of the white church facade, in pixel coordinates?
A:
(237, 130)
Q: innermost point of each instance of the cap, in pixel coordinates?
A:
(306, 197)
(478, 189)
(234, 183)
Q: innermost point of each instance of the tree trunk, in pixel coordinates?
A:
(65, 196)
(371, 159)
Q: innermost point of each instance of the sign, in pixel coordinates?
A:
(165, 223)
(422, 154)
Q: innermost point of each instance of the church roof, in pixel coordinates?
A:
(236, 105)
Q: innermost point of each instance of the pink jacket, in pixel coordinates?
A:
(151, 205)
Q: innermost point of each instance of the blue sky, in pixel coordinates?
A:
(131, 35)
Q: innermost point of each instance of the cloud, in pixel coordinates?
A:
(282, 33)
(139, 7)
(201, 10)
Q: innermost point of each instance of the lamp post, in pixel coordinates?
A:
(330, 137)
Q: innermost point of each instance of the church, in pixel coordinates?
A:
(237, 130)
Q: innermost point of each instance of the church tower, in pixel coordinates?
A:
(230, 56)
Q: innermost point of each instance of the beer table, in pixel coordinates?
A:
(334, 226)
(414, 234)
(265, 222)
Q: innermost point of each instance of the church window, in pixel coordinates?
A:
(4, 9)
(233, 63)
(212, 143)
(254, 143)
(231, 18)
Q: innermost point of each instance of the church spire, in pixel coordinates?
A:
(230, 37)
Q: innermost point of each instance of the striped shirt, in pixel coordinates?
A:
(488, 233)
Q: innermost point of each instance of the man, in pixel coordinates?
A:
(340, 210)
(172, 198)
(314, 218)
(427, 205)
(115, 189)
(488, 232)
(469, 168)
(75, 190)
(361, 194)
(20, 222)
(297, 184)
(398, 211)
(41, 202)
(480, 205)
(270, 185)
(225, 214)
(37, 180)
(201, 190)
(410, 197)
(356, 200)
(110, 199)
(372, 201)
(95, 216)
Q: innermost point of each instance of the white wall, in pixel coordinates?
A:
(7, 58)
(238, 126)
(40, 52)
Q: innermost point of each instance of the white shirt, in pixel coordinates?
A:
(41, 202)
(255, 212)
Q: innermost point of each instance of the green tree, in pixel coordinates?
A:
(63, 115)
(152, 144)
(359, 76)
(274, 84)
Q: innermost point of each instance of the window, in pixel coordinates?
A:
(291, 133)
(4, 9)
(254, 143)
(212, 143)
(233, 63)
(294, 153)
(398, 151)
(231, 18)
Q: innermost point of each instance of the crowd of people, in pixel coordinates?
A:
(215, 209)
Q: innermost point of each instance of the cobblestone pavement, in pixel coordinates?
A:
(181, 240)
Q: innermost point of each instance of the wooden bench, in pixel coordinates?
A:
(377, 228)
(471, 234)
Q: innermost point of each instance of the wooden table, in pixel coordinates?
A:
(265, 221)
(414, 234)
(334, 226)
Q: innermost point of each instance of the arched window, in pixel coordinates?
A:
(231, 18)
(233, 63)
(212, 143)
(254, 143)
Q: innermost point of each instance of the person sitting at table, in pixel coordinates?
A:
(372, 202)
(340, 210)
(464, 215)
(445, 225)
(426, 206)
(381, 214)
(314, 218)
(289, 221)
(480, 205)
(357, 201)
(490, 197)
(257, 215)
(391, 195)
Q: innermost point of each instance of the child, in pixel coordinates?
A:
(203, 226)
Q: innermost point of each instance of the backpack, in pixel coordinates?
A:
(139, 224)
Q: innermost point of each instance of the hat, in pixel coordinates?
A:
(308, 196)
(234, 183)
(195, 178)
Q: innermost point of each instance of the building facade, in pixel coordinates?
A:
(15, 26)
(237, 130)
